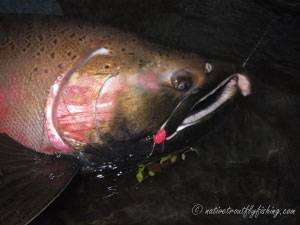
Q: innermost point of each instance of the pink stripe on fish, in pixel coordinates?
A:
(148, 81)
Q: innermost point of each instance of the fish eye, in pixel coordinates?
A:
(182, 80)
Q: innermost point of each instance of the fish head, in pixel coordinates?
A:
(136, 101)
(132, 97)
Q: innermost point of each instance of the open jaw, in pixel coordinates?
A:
(212, 101)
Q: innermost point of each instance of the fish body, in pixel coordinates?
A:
(105, 96)
(34, 55)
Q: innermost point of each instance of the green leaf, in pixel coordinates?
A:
(173, 159)
(139, 177)
(163, 159)
(151, 173)
(141, 168)
(183, 156)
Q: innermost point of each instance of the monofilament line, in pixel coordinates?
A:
(258, 43)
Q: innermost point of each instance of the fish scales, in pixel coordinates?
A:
(30, 64)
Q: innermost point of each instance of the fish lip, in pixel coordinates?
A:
(221, 94)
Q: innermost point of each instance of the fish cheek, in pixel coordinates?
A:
(140, 115)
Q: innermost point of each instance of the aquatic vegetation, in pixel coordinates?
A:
(158, 165)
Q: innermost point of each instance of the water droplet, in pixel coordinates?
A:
(58, 155)
(51, 176)
(119, 174)
(100, 176)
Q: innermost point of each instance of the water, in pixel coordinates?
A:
(252, 159)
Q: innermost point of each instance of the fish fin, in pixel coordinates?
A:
(30, 181)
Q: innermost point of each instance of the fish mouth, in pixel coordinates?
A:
(213, 100)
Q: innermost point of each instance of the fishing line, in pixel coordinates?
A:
(258, 43)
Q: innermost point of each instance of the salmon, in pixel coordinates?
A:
(99, 94)
(66, 83)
